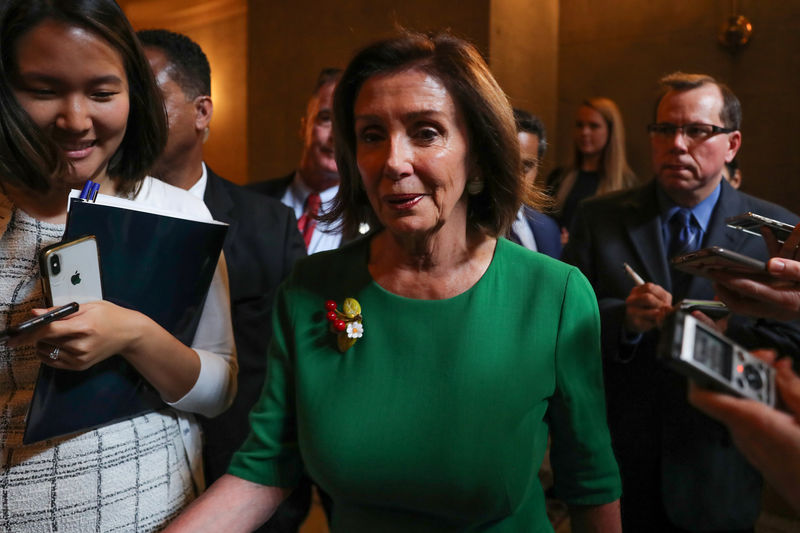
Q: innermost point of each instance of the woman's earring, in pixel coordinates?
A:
(475, 186)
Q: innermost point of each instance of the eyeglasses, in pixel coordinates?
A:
(693, 132)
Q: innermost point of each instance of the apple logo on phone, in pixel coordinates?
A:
(76, 278)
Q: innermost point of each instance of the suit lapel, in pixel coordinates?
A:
(220, 203)
(729, 203)
(643, 225)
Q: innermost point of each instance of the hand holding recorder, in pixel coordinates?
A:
(769, 438)
(698, 350)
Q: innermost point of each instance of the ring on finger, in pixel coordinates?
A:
(54, 353)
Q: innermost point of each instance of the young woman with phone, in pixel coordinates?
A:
(79, 102)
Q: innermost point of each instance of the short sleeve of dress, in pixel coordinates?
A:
(270, 455)
(585, 470)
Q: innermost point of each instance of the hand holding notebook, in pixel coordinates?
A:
(151, 261)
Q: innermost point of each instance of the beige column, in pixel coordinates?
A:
(523, 46)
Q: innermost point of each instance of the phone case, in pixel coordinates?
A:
(38, 321)
(702, 262)
(752, 223)
(711, 308)
(71, 272)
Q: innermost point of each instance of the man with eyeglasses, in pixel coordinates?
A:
(680, 469)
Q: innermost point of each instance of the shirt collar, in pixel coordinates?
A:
(701, 212)
(300, 191)
(199, 188)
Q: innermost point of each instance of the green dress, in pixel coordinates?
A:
(437, 418)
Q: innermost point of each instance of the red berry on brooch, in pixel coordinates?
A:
(346, 324)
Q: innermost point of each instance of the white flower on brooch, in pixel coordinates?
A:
(355, 330)
(345, 324)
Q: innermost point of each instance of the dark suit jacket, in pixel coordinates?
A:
(274, 188)
(260, 248)
(676, 463)
(546, 232)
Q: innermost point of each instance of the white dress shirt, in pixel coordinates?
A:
(324, 237)
(199, 188)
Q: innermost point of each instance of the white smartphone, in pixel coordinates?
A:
(71, 272)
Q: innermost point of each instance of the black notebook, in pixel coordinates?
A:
(153, 262)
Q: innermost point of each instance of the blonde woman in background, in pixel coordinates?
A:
(599, 164)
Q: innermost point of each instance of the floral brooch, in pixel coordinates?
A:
(345, 323)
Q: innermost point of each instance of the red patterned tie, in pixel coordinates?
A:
(308, 220)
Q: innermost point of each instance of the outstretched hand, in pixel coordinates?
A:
(769, 438)
(776, 296)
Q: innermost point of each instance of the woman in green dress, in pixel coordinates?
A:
(416, 373)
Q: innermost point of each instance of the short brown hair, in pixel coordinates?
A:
(28, 157)
(187, 64)
(492, 133)
(731, 113)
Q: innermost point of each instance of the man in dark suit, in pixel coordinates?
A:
(316, 175)
(533, 229)
(262, 242)
(680, 470)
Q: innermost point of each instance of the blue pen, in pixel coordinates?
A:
(95, 190)
(87, 190)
